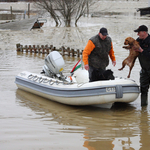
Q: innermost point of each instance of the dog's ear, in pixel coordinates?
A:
(131, 40)
(126, 42)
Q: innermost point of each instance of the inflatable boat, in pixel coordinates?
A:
(75, 89)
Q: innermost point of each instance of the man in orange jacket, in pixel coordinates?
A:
(95, 54)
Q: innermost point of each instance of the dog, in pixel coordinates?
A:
(132, 44)
(106, 75)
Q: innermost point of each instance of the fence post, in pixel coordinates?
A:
(43, 50)
(30, 48)
(24, 15)
(47, 49)
(21, 48)
(72, 51)
(78, 53)
(68, 50)
(38, 48)
(26, 48)
(28, 10)
(11, 12)
(53, 48)
(34, 48)
(63, 50)
(18, 46)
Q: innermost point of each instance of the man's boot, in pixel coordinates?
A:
(144, 99)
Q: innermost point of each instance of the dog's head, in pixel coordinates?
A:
(108, 74)
(129, 41)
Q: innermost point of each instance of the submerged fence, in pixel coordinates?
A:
(45, 49)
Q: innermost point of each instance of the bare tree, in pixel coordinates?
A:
(65, 10)
(48, 5)
(83, 5)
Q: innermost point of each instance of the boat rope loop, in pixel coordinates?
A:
(45, 80)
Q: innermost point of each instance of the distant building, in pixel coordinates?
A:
(144, 11)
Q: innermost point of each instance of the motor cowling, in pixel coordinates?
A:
(54, 64)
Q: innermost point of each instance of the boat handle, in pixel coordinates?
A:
(119, 91)
(51, 82)
(35, 78)
(45, 80)
(30, 76)
(40, 79)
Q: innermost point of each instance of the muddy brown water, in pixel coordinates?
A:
(29, 122)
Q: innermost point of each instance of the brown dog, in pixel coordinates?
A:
(130, 60)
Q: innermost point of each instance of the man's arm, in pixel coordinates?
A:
(112, 55)
(144, 52)
(141, 50)
(86, 52)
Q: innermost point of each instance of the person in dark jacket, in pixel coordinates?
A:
(144, 59)
(95, 54)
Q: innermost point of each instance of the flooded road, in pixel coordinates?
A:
(30, 122)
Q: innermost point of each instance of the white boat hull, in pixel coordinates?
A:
(90, 93)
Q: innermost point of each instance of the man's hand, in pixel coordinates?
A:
(114, 63)
(138, 49)
(86, 67)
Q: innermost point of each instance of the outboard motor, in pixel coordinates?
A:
(54, 64)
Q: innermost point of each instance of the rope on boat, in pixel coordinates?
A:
(30, 76)
(51, 82)
(35, 78)
(45, 80)
(80, 84)
(40, 79)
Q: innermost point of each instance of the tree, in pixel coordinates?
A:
(65, 10)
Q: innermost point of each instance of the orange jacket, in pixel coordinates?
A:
(89, 48)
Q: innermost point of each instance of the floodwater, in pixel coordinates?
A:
(31, 122)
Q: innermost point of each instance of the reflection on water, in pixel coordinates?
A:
(118, 128)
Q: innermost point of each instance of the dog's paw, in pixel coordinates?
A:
(128, 76)
(125, 47)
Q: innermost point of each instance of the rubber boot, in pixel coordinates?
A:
(144, 100)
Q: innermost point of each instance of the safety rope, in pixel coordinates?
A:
(45, 80)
